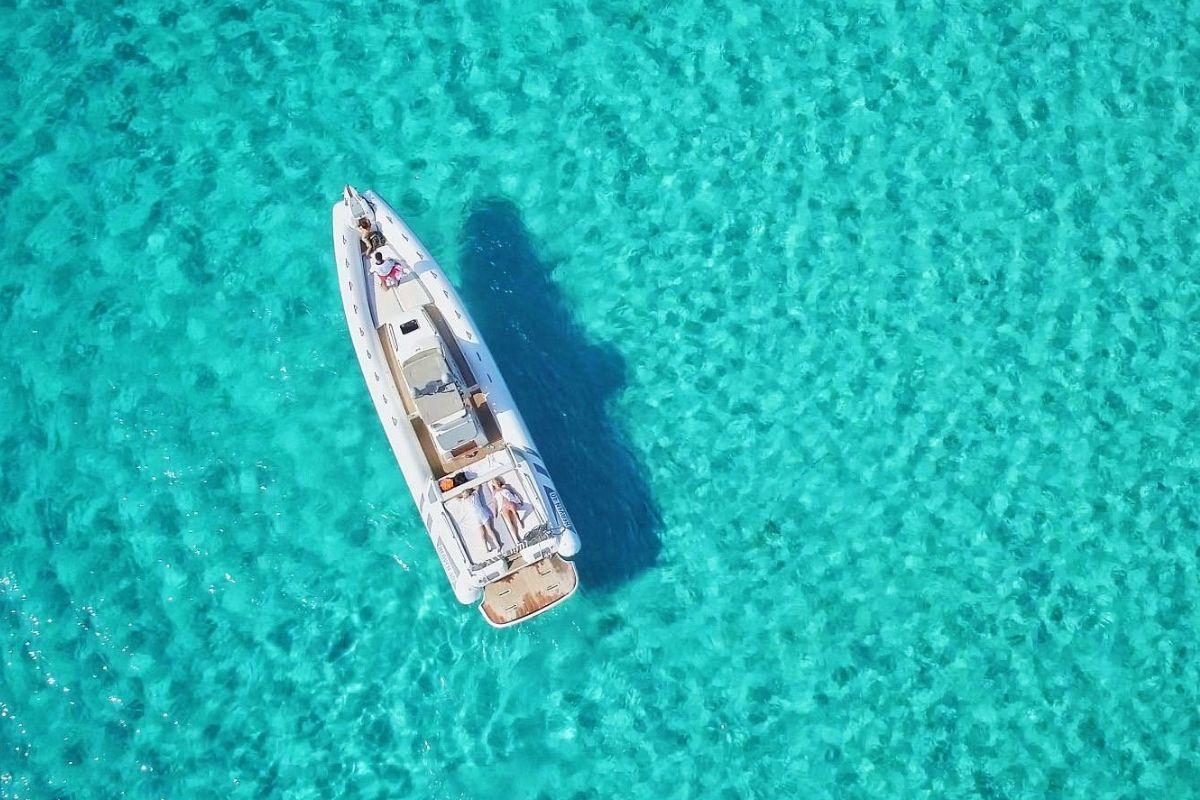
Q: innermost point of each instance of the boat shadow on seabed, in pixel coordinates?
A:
(562, 382)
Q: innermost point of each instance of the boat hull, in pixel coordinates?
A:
(359, 302)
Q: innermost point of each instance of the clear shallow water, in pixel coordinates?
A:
(862, 342)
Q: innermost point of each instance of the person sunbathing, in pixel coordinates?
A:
(507, 505)
(479, 514)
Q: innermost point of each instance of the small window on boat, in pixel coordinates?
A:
(409, 327)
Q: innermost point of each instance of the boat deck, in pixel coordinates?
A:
(471, 508)
(440, 466)
(528, 591)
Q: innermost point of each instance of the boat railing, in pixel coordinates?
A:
(537, 536)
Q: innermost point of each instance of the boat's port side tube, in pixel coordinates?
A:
(352, 279)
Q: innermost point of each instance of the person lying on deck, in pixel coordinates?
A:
(507, 504)
(479, 514)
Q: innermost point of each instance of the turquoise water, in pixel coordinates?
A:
(862, 342)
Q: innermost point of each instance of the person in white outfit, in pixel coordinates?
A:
(387, 270)
(478, 513)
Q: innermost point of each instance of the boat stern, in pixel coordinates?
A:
(528, 591)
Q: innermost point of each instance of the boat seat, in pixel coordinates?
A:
(426, 373)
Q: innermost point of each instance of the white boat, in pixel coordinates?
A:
(480, 486)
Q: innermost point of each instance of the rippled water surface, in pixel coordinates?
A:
(862, 342)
